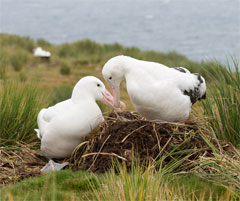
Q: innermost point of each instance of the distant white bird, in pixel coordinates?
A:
(62, 126)
(156, 91)
(39, 52)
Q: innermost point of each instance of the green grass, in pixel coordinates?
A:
(18, 60)
(65, 70)
(223, 170)
(222, 107)
(63, 185)
(19, 105)
(61, 93)
(136, 185)
(150, 185)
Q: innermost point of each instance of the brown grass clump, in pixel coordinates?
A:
(123, 137)
(19, 162)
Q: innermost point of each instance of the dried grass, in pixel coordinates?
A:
(19, 162)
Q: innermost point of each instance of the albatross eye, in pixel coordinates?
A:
(110, 78)
(98, 85)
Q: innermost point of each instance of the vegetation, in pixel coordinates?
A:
(149, 185)
(222, 108)
(65, 70)
(28, 84)
(19, 105)
(64, 185)
(137, 185)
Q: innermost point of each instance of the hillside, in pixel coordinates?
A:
(28, 83)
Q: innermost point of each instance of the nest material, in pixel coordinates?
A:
(123, 137)
(19, 162)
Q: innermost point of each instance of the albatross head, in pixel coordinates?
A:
(93, 87)
(113, 72)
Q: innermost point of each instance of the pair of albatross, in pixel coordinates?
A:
(156, 91)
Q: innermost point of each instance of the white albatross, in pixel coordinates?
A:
(156, 91)
(62, 126)
(39, 52)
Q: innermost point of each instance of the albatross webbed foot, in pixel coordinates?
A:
(53, 166)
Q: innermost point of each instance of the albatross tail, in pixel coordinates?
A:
(41, 124)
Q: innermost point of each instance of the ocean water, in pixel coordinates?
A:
(199, 29)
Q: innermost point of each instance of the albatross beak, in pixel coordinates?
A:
(116, 95)
(107, 98)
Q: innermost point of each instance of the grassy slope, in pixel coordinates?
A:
(21, 69)
(79, 185)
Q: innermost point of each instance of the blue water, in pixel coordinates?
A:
(200, 29)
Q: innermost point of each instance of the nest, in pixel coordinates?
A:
(19, 162)
(127, 137)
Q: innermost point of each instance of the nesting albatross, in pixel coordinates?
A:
(156, 91)
(62, 126)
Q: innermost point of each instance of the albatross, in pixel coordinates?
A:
(62, 126)
(156, 91)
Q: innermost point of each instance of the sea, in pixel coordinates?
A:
(200, 29)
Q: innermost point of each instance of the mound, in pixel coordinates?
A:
(128, 137)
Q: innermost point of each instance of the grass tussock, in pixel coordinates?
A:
(65, 70)
(147, 184)
(222, 107)
(19, 105)
(224, 170)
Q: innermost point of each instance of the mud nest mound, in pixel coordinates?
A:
(128, 137)
(19, 162)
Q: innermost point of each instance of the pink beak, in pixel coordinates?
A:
(108, 98)
(116, 95)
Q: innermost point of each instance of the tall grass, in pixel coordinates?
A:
(19, 106)
(222, 107)
(150, 185)
(18, 60)
(60, 93)
(224, 170)
(2, 67)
